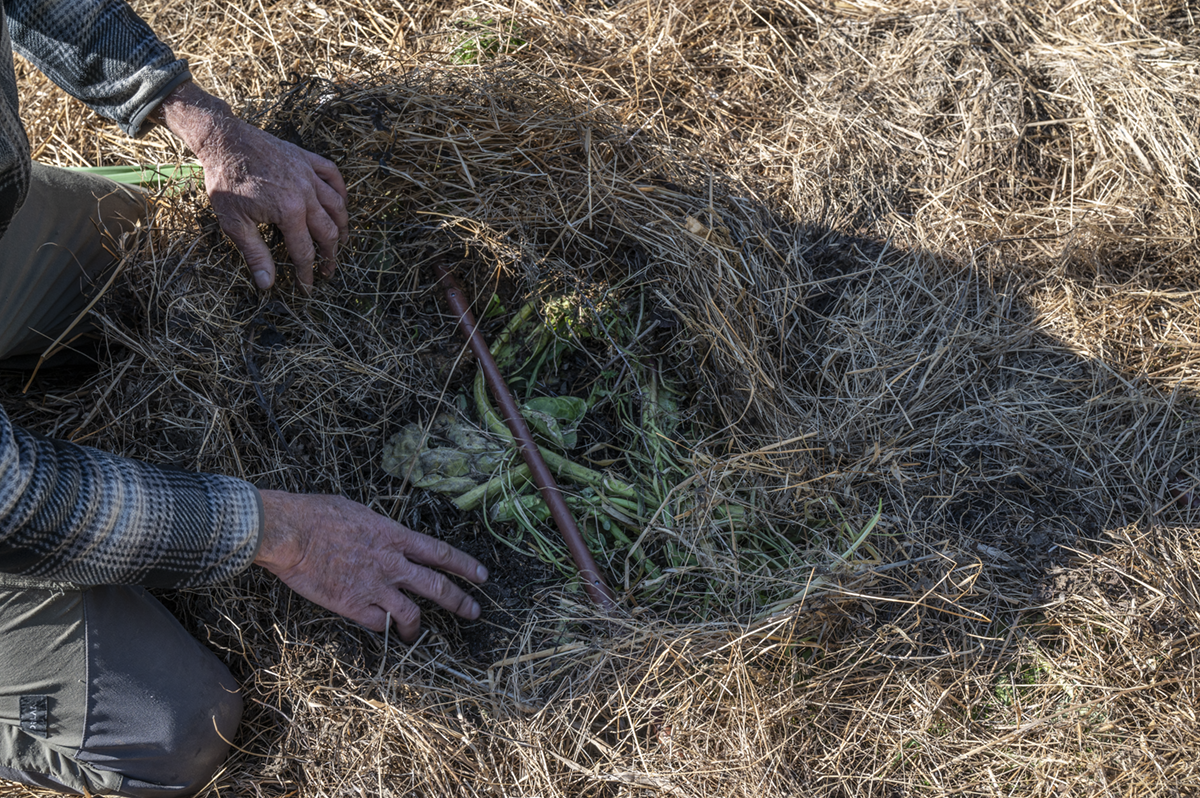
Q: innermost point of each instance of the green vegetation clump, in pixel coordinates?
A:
(627, 456)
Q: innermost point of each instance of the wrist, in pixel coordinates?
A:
(280, 548)
(198, 118)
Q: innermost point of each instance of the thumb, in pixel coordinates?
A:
(249, 242)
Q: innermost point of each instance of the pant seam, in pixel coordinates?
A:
(88, 700)
(87, 674)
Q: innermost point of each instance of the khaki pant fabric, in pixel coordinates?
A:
(101, 689)
(56, 253)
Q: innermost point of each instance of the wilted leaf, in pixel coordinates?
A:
(451, 458)
(555, 418)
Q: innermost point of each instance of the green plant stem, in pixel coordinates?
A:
(557, 463)
(472, 499)
(499, 345)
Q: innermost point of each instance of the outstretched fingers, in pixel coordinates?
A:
(326, 233)
(328, 172)
(313, 231)
(438, 588)
(299, 243)
(349, 559)
(331, 192)
(399, 609)
(440, 554)
(390, 606)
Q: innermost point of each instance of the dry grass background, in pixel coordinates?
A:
(942, 259)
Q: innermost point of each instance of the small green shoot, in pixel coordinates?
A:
(149, 175)
(485, 40)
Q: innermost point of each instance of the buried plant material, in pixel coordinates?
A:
(462, 460)
(593, 582)
(631, 503)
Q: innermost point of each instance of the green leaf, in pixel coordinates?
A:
(150, 175)
(494, 308)
(555, 418)
(568, 410)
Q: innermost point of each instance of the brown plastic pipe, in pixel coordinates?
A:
(592, 581)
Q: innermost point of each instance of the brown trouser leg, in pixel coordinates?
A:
(55, 254)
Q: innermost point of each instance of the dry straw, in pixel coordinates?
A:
(938, 261)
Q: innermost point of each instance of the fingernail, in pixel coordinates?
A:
(481, 574)
(262, 279)
(475, 611)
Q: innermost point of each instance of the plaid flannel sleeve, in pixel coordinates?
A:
(75, 514)
(100, 52)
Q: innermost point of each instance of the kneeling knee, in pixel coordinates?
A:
(183, 748)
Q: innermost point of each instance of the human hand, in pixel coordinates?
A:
(355, 562)
(253, 178)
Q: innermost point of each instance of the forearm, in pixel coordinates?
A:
(76, 514)
(100, 52)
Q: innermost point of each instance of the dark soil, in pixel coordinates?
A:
(509, 599)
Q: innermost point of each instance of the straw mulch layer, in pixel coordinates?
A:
(925, 272)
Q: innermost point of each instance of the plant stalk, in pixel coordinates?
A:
(593, 582)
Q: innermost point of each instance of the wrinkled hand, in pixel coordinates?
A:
(355, 562)
(253, 178)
